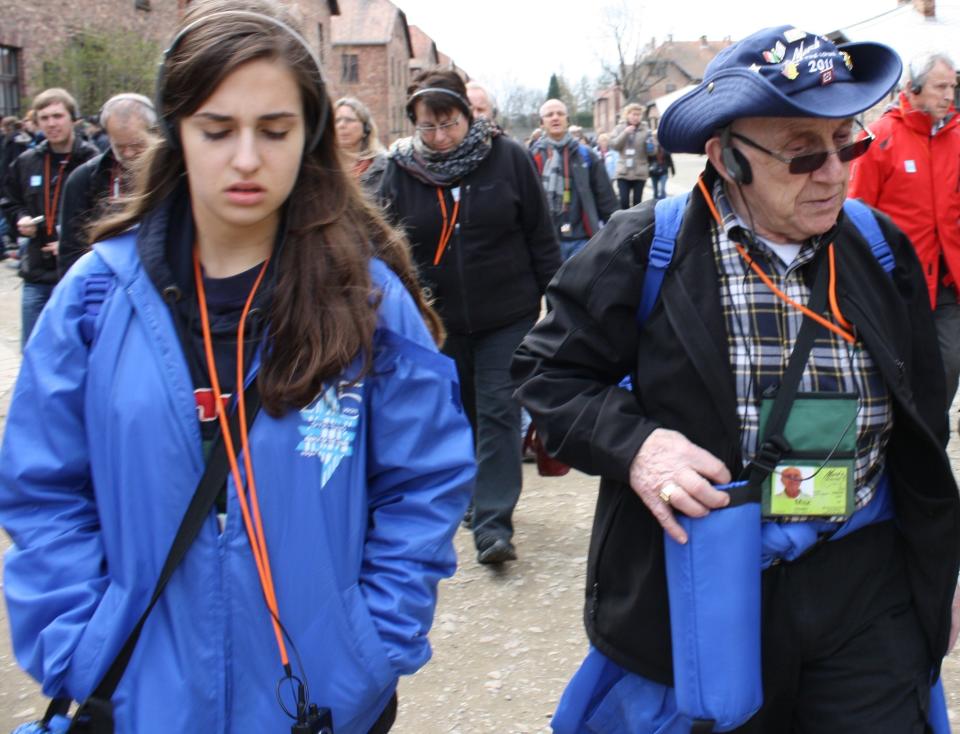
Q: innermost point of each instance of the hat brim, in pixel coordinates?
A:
(732, 94)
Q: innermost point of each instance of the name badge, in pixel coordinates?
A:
(36, 180)
(815, 477)
(910, 166)
(630, 151)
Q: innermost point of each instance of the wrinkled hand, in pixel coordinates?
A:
(954, 619)
(26, 227)
(51, 248)
(668, 457)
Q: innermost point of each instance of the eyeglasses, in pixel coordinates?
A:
(810, 162)
(428, 131)
(343, 118)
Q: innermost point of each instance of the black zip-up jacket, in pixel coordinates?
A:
(84, 196)
(23, 196)
(570, 364)
(503, 251)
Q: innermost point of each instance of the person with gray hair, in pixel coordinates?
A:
(911, 174)
(359, 139)
(757, 325)
(127, 119)
(482, 102)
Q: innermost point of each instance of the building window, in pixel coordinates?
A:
(349, 68)
(9, 81)
(323, 59)
(141, 4)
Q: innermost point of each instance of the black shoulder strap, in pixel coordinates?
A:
(772, 444)
(96, 713)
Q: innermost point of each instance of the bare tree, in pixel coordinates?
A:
(636, 65)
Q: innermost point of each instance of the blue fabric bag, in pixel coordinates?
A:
(714, 584)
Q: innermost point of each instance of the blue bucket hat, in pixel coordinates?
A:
(779, 72)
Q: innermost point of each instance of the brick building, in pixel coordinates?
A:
(32, 30)
(371, 40)
(425, 54)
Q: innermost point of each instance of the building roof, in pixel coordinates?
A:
(424, 49)
(690, 57)
(907, 31)
(368, 22)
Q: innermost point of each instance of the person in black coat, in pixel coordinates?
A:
(855, 609)
(480, 231)
(33, 192)
(128, 119)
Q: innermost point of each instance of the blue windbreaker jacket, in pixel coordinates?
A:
(360, 494)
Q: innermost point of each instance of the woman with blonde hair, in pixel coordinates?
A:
(358, 138)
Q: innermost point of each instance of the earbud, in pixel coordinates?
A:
(734, 161)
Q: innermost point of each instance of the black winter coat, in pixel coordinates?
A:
(570, 364)
(85, 195)
(503, 251)
(23, 196)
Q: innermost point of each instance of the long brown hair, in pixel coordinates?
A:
(323, 309)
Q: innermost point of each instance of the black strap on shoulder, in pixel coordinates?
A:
(96, 713)
(772, 444)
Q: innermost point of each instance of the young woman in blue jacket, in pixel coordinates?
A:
(247, 254)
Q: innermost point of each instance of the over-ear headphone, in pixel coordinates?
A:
(168, 126)
(734, 161)
(140, 99)
(464, 102)
(916, 87)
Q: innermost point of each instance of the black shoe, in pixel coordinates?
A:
(499, 550)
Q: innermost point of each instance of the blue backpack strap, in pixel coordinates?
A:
(668, 215)
(95, 289)
(865, 221)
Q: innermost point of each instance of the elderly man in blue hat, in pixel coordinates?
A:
(766, 329)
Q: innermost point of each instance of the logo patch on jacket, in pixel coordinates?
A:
(330, 426)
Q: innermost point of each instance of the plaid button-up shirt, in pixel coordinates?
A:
(761, 332)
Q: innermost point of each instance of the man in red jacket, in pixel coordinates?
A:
(912, 172)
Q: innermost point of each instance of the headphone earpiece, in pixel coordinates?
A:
(366, 129)
(734, 161)
(916, 88)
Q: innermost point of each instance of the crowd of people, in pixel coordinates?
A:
(270, 365)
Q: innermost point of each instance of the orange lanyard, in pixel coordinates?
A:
(50, 207)
(251, 513)
(446, 228)
(566, 179)
(844, 331)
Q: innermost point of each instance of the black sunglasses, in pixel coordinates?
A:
(810, 162)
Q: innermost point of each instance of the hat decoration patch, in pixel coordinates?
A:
(805, 58)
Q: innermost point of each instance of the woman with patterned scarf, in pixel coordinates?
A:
(480, 232)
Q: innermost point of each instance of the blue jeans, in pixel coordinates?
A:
(569, 248)
(483, 363)
(659, 186)
(35, 297)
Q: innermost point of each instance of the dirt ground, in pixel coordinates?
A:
(505, 642)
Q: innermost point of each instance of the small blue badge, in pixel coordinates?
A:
(36, 180)
(910, 166)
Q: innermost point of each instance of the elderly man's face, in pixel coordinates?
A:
(936, 95)
(479, 104)
(789, 207)
(553, 117)
(129, 137)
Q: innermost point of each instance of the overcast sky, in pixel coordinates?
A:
(509, 42)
